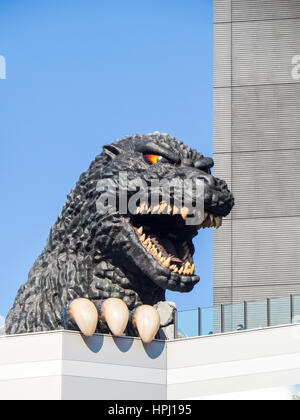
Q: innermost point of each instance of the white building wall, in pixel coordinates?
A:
(64, 365)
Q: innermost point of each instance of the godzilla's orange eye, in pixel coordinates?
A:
(152, 159)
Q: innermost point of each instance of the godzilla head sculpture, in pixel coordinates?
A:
(99, 265)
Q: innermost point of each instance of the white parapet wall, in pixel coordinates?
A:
(64, 365)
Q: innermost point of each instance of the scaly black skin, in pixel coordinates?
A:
(100, 256)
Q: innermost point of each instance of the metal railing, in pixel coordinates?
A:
(237, 317)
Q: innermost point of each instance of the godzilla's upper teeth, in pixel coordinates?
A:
(176, 210)
(155, 209)
(209, 220)
(144, 208)
(162, 206)
(184, 212)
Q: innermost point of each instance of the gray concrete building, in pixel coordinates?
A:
(257, 147)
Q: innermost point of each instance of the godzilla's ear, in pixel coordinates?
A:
(112, 150)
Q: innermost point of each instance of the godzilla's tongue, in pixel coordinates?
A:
(166, 247)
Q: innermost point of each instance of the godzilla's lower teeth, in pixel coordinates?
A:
(186, 268)
(184, 212)
(167, 263)
(210, 220)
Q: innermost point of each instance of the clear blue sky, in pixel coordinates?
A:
(83, 73)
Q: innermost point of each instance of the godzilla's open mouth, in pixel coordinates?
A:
(166, 236)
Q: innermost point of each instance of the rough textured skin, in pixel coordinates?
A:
(100, 256)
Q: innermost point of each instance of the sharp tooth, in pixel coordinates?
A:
(155, 252)
(162, 207)
(159, 255)
(181, 270)
(143, 237)
(167, 262)
(176, 210)
(175, 270)
(142, 207)
(140, 230)
(115, 314)
(169, 209)
(184, 212)
(192, 270)
(172, 267)
(218, 221)
(149, 246)
(83, 313)
(155, 209)
(138, 210)
(146, 320)
(163, 259)
(147, 241)
(186, 268)
(149, 210)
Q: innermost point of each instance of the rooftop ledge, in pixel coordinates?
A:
(65, 365)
